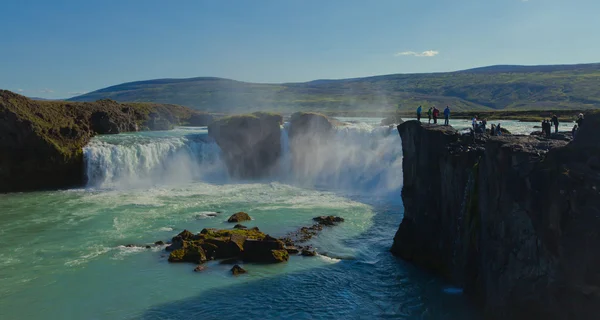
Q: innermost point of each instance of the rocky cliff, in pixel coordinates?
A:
(512, 219)
(309, 135)
(41, 141)
(250, 144)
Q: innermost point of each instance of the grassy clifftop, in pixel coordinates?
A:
(41, 141)
(489, 88)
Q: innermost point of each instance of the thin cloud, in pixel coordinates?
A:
(20, 90)
(47, 91)
(428, 53)
(76, 93)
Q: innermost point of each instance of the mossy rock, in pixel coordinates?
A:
(192, 253)
(252, 233)
(280, 256)
(236, 270)
(239, 217)
(244, 244)
(328, 220)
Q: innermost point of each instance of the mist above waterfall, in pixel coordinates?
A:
(356, 157)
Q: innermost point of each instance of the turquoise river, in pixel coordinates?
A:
(63, 254)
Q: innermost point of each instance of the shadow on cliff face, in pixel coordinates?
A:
(373, 285)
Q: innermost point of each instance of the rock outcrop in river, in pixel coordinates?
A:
(41, 141)
(251, 143)
(309, 134)
(515, 220)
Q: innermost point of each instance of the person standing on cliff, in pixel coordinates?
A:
(474, 123)
(555, 122)
(436, 113)
(419, 109)
(447, 116)
(579, 120)
(429, 114)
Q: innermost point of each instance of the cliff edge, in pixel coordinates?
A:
(515, 220)
(41, 141)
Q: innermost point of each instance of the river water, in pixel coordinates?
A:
(63, 253)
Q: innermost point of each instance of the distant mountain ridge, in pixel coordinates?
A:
(500, 87)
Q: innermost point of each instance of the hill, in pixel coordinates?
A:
(487, 88)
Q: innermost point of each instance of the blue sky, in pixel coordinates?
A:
(59, 48)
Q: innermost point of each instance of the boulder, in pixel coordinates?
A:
(178, 240)
(250, 144)
(236, 270)
(199, 268)
(292, 249)
(239, 226)
(225, 248)
(239, 217)
(268, 250)
(308, 253)
(309, 124)
(310, 135)
(190, 252)
(159, 243)
(328, 220)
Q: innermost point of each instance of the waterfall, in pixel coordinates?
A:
(358, 157)
(285, 162)
(149, 159)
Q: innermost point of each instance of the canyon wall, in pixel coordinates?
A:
(515, 220)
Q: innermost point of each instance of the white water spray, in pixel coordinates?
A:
(358, 158)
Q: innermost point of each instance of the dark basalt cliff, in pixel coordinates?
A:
(251, 143)
(515, 220)
(41, 141)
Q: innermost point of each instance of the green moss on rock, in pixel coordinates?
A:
(42, 141)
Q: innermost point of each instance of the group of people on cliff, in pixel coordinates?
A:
(480, 126)
(547, 125)
(434, 113)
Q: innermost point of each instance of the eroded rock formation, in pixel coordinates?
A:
(251, 144)
(515, 220)
(309, 135)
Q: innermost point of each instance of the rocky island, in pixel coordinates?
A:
(514, 220)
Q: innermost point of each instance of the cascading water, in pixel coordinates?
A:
(153, 158)
(359, 157)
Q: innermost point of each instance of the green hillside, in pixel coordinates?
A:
(488, 88)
